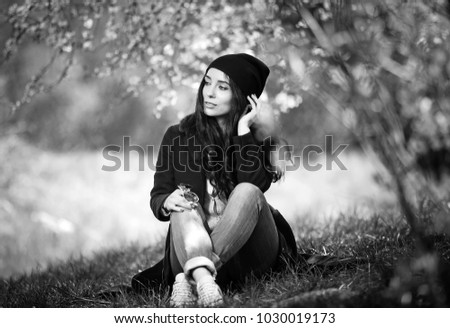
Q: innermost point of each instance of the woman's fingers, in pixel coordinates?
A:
(254, 102)
(178, 209)
(182, 204)
(248, 118)
(177, 202)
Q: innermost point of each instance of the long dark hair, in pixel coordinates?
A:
(215, 142)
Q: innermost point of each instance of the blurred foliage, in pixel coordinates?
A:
(85, 73)
(381, 67)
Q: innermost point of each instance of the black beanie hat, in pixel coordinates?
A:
(248, 72)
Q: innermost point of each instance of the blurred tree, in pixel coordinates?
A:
(143, 48)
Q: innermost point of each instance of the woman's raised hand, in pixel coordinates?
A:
(177, 203)
(248, 118)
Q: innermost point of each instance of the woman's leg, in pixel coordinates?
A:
(191, 258)
(191, 245)
(246, 238)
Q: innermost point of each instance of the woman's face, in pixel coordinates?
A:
(216, 93)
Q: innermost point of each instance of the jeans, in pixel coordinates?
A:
(244, 241)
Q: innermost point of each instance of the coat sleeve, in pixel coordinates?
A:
(164, 180)
(248, 162)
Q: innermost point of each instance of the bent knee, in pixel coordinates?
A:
(185, 216)
(187, 227)
(197, 244)
(246, 189)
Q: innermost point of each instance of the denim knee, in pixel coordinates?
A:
(192, 236)
(246, 189)
(195, 245)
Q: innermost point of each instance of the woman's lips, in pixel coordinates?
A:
(209, 105)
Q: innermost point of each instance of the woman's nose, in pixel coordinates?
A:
(210, 92)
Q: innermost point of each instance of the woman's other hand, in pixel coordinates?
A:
(177, 203)
(248, 118)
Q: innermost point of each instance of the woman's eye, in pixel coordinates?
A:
(223, 88)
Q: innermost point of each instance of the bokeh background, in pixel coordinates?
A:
(79, 76)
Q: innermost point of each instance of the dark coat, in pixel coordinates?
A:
(177, 164)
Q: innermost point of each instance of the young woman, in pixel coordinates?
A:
(209, 183)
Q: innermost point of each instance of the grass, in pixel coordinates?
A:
(358, 270)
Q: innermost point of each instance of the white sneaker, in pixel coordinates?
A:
(182, 292)
(209, 293)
